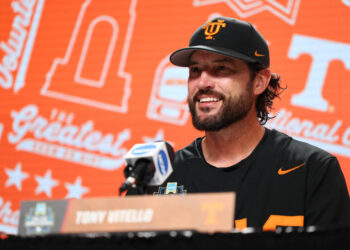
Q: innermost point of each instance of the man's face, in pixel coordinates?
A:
(219, 90)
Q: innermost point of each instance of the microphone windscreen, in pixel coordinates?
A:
(170, 150)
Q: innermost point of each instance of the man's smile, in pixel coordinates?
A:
(208, 102)
(208, 99)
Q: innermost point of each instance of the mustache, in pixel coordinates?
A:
(208, 92)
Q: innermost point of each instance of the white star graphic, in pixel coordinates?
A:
(1, 129)
(159, 136)
(16, 176)
(75, 190)
(346, 2)
(46, 183)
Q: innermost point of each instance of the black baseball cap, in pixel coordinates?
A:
(228, 37)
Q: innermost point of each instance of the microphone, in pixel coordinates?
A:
(147, 164)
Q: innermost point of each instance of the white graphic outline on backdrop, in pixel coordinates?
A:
(346, 2)
(76, 190)
(77, 149)
(1, 130)
(244, 8)
(15, 176)
(45, 183)
(100, 82)
(324, 135)
(170, 105)
(158, 137)
(19, 83)
(311, 96)
(8, 218)
(18, 40)
(85, 101)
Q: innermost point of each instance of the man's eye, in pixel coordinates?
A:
(222, 68)
(194, 72)
(194, 69)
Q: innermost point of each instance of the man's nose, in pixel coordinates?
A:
(206, 81)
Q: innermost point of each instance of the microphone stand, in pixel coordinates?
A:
(137, 177)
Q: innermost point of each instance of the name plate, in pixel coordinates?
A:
(209, 212)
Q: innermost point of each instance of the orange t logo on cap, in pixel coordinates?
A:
(212, 28)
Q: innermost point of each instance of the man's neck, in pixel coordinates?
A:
(231, 145)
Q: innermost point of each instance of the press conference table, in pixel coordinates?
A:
(319, 239)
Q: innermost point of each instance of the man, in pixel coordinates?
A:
(278, 181)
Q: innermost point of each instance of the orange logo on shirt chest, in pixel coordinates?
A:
(283, 172)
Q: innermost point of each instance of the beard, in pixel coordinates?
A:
(231, 111)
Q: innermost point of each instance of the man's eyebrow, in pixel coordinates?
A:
(224, 60)
(192, 63)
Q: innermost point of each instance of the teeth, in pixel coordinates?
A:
(208, 99)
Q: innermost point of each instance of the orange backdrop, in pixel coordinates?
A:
(82, 81)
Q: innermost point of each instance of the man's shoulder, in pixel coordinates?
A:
(190, 151)
(286, 144)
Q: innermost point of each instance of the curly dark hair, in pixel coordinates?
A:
(264, 101)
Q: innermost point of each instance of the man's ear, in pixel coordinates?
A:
(261, 81)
